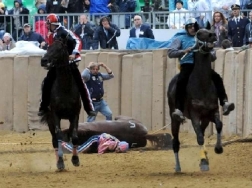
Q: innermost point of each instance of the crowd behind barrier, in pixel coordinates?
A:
(124, 20)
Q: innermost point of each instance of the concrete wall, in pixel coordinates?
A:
(138, 89)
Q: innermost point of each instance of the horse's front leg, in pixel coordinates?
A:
(58, 150)
(175, 125)
(218, 124)
(74, 123)
(204, 164)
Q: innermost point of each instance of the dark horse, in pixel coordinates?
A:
(201, 104)
(64, 102)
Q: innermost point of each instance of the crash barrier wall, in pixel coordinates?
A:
(138, 89)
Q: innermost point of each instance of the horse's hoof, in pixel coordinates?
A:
(204, 165)
(60, 164)
(75, 160)
(177, 169)
(218, 150)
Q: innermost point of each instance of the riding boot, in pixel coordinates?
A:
(178, 115)
(46, 91)
(85, 97)
(221, 92)
(180, 97)
(227, 107)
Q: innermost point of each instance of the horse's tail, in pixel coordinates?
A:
(46, 118)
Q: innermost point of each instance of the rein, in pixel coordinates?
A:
(199, 43)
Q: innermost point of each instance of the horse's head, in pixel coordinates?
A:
(56, 55)
(205, 38)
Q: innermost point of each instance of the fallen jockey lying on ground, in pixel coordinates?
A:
(103, 143)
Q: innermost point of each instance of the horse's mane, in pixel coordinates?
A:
(58, 50)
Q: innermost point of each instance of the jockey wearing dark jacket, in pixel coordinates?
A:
(73, 46)
(178, 48)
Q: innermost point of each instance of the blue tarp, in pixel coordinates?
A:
(150, 44)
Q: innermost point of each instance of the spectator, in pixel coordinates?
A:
(199, 5)
(106, 34)
(3, 19)
(245, 4)
(54, 6)
(127, 6)
(30, 35)
(177, 19)
(248, 30)
(18, 18)
(226, 45)
(86, 6)
(39, 2)
(172, 4)
(236, 27)
(7, 43)
(222, 6)
(72, 7)
(40, 24)
(140, 30)
(85, 31)
(156, 6)
(220, 27)
(100, 6)
(94, 81)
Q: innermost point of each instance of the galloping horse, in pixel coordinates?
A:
(201, 104)
(64, 102)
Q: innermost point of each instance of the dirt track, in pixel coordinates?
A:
(33, 165)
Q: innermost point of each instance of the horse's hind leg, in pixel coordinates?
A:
(74, 129)
(175, 142)
(218, 124)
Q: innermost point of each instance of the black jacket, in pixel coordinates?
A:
(54, 8)
(88, 30)
(107, 41)
(73, 42)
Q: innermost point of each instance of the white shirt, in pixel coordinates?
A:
(199, 5)
(178, 18)
(138, 31)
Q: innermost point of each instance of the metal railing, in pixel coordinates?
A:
(124, 20)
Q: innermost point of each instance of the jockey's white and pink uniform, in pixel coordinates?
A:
(105, 143)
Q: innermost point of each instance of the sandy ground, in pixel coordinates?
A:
(25, 163)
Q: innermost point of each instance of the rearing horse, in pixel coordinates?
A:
(201, 104)
(64, 102)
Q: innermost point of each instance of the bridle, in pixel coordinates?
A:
(201, 45)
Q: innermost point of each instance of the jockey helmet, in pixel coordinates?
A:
(189, 22)
(123, 146)
(53, 19)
